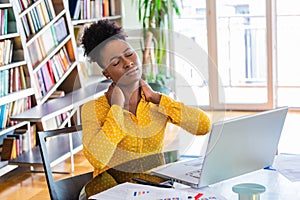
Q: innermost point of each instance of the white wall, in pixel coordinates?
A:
(130, 18)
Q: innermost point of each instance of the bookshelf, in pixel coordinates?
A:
(46, 33)
(53, 69)
(85, 12)
(50, 51)
(15, 86)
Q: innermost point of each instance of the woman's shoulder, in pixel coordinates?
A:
(100, 102)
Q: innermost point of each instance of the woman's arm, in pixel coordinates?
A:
(194, 120)
(102, 131)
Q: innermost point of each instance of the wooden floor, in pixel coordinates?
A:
(25, 185)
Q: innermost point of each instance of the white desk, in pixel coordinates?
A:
(278, 187)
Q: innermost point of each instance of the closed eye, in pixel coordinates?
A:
(115, 63)
(129, 54)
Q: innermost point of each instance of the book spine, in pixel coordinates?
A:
(51, 73)
(26, 27)
(45, 12)
(56, 42)
(98, 9)
(31, 23)
(8, 149)
(50, 9)
(105, 4)
(5, 82)
(5, 22)
(41, 82)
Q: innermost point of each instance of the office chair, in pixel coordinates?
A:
(68, 188)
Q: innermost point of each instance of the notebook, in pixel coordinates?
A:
(235, 147)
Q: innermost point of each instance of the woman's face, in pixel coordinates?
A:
(121, 62)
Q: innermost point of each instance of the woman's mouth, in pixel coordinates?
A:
(132, 71)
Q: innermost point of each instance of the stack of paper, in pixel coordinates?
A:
(131, 191)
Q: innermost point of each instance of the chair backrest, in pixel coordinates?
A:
(68, 188)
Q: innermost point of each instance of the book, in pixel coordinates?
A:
(50, 9)
(10, 52)
(65, 58)
(25, 138)
(5, 82)
(92, 10)
(22, 78)
(42, 46)
(40, 15)
(1, 85)
(47, 41)
(7, 54)
(35, 53)
(41, 83)
(16, 80)
(98, 8)
(72, 7)
(56, 73)
(46, 78)
(3, 114)
(105, 6)
(44, 12)
(26, 26)
(24, 3)
(51, 73)
(34, 21)
(5, 22)
(2, 47)
(8, 149)
(87, 9)
(112, 7)
(77, 10)
(60, 29)
(19, 6)
(29, 20)
(18, 143)
(59, 62)
(37, 86)
(33, 129)
(54, 35)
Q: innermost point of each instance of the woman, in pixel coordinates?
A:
(129, 121)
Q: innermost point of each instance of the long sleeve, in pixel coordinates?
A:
(102, 131)
(193, 120)
(112, 135)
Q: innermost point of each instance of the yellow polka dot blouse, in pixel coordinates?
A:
(112, 135)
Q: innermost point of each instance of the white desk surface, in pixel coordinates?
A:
(278, 187)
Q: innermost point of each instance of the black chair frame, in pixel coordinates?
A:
(68, 188)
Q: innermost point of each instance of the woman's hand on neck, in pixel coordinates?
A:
(132, 96)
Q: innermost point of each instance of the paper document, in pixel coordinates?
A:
(132, 191)
(288, 165)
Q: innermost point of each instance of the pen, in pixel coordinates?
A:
(145, 182)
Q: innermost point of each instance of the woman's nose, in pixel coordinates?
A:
(128, 64)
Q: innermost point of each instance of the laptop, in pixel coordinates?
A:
(235, 147)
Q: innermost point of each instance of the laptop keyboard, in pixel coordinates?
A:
(194, 174)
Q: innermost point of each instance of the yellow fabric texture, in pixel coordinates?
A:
(112, 135)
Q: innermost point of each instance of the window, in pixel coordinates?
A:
(241, 36)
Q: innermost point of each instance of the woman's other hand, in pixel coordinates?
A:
(150, 95)
(115, 95)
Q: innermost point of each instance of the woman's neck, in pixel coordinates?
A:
(132, 96)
